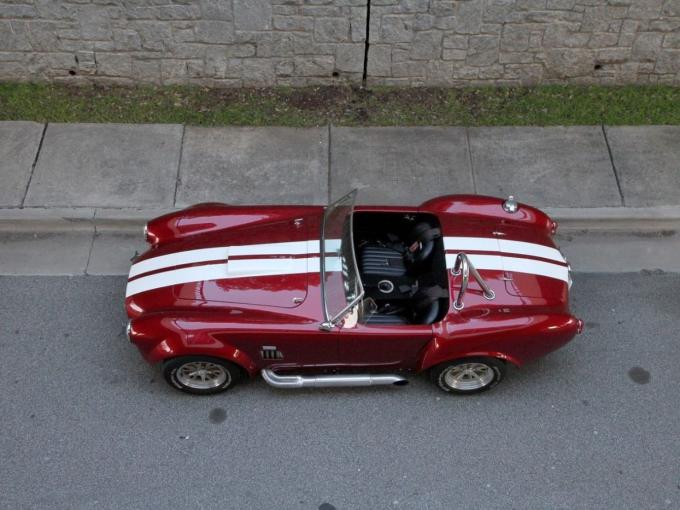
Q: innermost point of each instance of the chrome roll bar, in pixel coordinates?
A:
(464, 266)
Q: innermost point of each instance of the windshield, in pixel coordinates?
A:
(340, 280)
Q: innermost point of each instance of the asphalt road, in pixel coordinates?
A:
(85, 423)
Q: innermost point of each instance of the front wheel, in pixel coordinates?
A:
(467, 376)
(200, 375)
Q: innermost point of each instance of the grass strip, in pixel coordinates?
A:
(344, 106)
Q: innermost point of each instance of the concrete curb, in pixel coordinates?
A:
(132, 220)
(617, 219)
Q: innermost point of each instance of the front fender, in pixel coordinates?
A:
(161, 338)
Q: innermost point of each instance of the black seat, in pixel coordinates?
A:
(428, 304)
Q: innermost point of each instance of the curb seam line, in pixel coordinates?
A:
(179, 166)
(328, 182)
(470, 162)
(35, 163)
(611, 160)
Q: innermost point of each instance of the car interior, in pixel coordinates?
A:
(402, 265)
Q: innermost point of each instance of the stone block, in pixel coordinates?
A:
(315, 66)
(114, 64)
(13, 36)
(214, 32)
(459, 42)
(216, 9)
(469, 17)
(350, 58)
(426, 45)
(252, 14)
(379, 60)
(331, 30)
(668, 62)
(276, 44)
(258, 72)
(672, 41)
(482, 50)
(396, 29)
(515, 38)
(294, 23)
(569, 63)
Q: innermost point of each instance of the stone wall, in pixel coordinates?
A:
(310, 42)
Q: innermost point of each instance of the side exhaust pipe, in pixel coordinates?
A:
(326, 381)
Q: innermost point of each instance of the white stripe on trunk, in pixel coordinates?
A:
(513, 265)
(466, 244)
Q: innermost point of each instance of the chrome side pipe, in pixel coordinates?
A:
(326, 381)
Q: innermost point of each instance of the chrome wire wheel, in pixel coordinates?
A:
(469, 376)
(202, 375)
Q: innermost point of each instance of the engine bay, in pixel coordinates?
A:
(402, 265)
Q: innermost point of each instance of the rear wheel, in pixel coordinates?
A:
(467, 376)
(200, 375)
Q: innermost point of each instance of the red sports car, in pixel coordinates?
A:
(342, 295)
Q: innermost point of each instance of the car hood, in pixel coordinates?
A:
(267, 265)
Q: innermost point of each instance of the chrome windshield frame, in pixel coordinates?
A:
(329, 321)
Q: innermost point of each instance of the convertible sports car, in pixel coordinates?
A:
(342, 295)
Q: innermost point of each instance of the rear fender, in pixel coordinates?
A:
(518, 341)
(482, 207)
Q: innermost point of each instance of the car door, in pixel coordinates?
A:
(382, 346)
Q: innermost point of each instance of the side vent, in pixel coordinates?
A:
(270, 352)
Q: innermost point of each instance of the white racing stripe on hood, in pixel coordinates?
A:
(244, 268)
(178, 259)
(224, 252)
(465, 244)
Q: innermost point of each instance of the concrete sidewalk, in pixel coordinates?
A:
(99, 183)
(112, 175)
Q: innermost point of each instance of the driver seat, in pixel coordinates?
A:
(393, 259)
(428, 304)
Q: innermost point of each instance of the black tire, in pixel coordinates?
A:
(219, 374)
(443, 374)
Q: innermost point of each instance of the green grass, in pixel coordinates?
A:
(379, 106)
